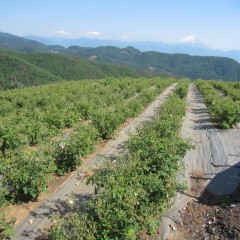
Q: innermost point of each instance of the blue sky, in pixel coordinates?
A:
(213, 22)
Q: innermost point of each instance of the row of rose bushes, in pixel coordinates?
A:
(223, 109)
(228, 88)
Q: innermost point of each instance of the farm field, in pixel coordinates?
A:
(62, 123)
(54, 126)
(131, 186)
(119, 121)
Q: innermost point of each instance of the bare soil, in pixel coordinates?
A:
(209, 217)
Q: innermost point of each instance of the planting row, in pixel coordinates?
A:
(228, 88)
(224, 110)
(132, 193)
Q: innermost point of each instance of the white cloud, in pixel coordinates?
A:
(93, 34)
(124, 37)
(188, 39)
(62, 33)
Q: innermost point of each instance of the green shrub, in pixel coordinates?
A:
(182, 88)
(106, 122)
(68, 152)
(26, 174)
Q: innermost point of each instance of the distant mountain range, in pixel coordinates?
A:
(99, 63)
(191, 48)
(20, 44)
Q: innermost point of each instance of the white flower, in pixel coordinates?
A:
(71, 202)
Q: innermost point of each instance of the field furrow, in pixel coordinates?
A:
(211, 172)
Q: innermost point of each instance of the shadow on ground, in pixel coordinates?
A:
(215, 213)
(46, 211)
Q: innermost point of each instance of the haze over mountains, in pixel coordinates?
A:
(186, 46)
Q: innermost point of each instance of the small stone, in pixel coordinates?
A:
(233, 205)
(173, 227)
(30, 221)
(77, 183)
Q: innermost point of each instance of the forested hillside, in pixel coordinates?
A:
(76, 68)
(182, 65)
(16, 72)
(24, 69)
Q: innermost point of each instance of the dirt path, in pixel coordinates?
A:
(211, 172)
(32, 226)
